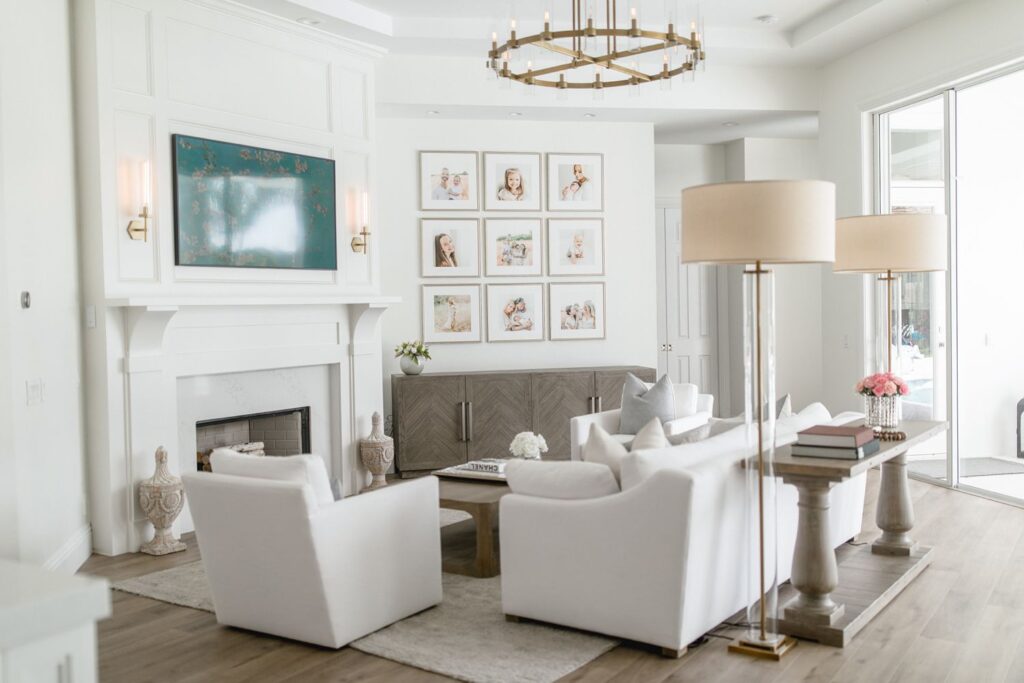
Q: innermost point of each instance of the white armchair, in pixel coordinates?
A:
(280, 563)
(579, 427)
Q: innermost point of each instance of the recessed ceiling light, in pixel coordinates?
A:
(433, 112)
(515, 114)
(730, 124)
(768, 19)
(308, 21)
(590, 115)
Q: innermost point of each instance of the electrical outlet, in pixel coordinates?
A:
(33, 392)
(846, 341)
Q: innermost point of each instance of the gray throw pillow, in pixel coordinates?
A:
(640, 405)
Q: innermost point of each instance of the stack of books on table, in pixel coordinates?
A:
(845, 443)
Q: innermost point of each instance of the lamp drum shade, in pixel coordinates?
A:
(772, 221)
(900, 242)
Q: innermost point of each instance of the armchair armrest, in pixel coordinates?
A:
(579, 429)
(705, 403)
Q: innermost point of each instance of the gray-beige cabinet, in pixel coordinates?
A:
(446, 419)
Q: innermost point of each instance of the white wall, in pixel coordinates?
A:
(42, 487)
(680, 166)
(900, 66)
(628, 150)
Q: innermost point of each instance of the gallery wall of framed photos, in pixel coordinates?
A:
(527, 266)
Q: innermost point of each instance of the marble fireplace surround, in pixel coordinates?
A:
(188, 358)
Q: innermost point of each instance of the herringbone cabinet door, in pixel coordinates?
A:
(501, 408)
(558, 397)
(430, 422)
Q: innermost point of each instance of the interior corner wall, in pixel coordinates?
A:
(42, 480)
(903, 65)
(630, 279)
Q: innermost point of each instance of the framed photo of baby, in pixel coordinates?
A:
(448, 181)
(451, 313)
(450, 247)
(515, 312)
(512, 246)
(576, 311)
(512, 181)
(575, 182)
(575, 246)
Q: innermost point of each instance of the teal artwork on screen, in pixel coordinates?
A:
(247, 207)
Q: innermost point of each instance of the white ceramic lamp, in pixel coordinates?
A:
(757, 224)
(891, 244)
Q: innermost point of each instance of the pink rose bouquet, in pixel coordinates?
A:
(882, 384)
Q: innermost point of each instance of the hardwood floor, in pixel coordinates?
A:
(962, 620)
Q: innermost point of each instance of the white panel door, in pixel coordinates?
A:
(688, 309)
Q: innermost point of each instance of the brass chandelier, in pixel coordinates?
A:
(584, 32)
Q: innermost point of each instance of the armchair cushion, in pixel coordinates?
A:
(640, 404)
(305, 469)
(563, 480)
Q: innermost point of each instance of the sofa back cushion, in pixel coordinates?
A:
(306, 469)
(565, 480)
(641, 404)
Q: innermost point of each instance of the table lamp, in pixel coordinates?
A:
(757, 224)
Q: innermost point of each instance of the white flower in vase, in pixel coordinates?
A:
(528, 445)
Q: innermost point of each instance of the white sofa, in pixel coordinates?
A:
(281, 560)
(579, 427)
(663, 561)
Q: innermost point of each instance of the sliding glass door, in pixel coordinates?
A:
(961, 152)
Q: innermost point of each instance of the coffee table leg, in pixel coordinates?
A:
(486, 561)
(815, 572)
(895, 512)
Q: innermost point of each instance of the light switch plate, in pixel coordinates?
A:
(33, 392)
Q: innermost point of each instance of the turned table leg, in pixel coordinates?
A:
(895, 512)
(815, 572)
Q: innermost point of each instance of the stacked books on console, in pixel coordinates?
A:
(489, 468)
(844, 443)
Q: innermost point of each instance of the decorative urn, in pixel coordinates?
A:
(377, 452)
(161, 497)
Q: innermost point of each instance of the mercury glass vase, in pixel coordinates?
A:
(410, 366)
(883, 412)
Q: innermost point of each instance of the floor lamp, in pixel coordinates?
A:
(758, 224)
(890, 244)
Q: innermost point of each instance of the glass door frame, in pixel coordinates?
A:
(880, 204)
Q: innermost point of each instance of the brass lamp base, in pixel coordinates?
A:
(774, 651)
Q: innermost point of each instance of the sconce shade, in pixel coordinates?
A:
(900, 242)
(772, 221)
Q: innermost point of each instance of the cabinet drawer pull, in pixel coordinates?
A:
(462, 415)
(600, 407)
(469, 420)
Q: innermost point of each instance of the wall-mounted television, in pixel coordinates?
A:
(247, 207)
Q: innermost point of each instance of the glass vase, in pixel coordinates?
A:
(883, 412)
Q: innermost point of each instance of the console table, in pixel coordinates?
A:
(835, 601)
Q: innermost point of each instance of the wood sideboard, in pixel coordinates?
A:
(445, 419)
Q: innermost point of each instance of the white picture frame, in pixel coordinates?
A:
(572, 300)
(450, 247)
(575, 182)
(525, 322)
(512, 181)
(451, 306)
(513, 247)
(575, 246)
(449, 181)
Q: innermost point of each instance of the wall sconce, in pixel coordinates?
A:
(361, 241)
(138, 228)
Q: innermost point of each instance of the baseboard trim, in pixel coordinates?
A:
(73, 553)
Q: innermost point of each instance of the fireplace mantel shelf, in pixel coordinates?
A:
(184, 301)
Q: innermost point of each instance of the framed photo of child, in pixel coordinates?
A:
(512, 246)
(576, 311)
(575, 182)
(451, 313)
(512, 181)
(575, 246)
(515, 312)
(448, 181)
(450, 247)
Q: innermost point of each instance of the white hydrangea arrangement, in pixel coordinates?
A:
(528, 445)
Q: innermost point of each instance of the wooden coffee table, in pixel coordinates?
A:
(480, 500)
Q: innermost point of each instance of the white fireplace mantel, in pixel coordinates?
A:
(154, 361)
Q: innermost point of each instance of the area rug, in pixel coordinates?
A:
(969, 467)
(465, 637)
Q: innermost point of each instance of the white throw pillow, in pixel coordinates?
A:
(603, 448)
(306, 469)
(691, 436)
(562, 480)
(651, 436)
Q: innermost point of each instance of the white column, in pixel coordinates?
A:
(366, 382)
